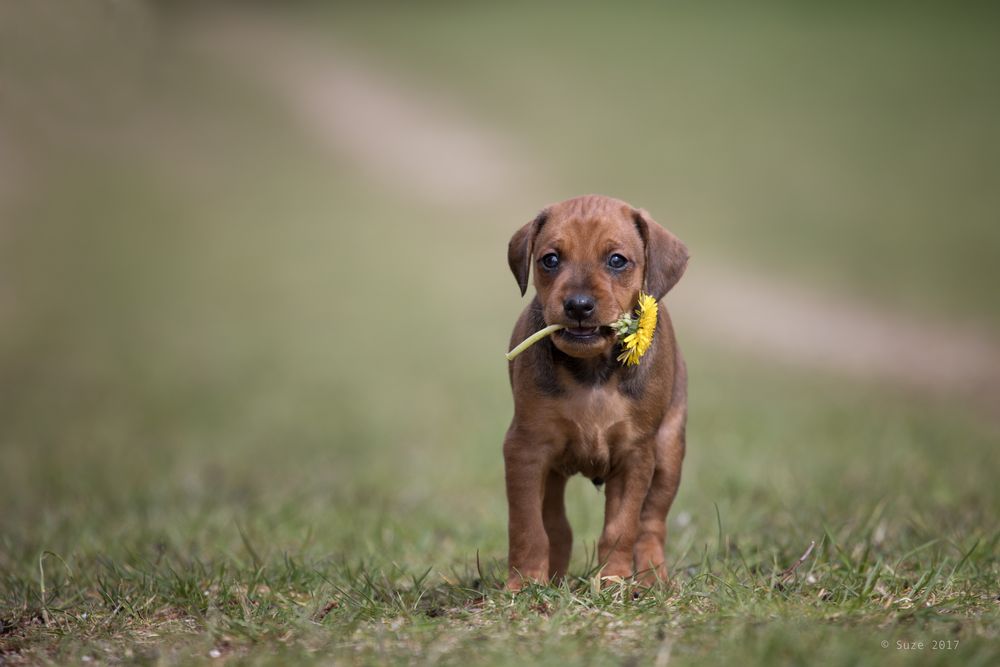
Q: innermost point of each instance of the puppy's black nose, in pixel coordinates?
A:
(579, 307)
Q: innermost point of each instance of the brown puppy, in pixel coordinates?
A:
(576, 408)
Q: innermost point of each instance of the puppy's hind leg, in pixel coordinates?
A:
(557, 526)
(623, 498)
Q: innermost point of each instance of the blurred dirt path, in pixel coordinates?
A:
(443, 156)
(399, 134)
(793, 324)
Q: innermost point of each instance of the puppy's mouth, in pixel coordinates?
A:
(584, 334)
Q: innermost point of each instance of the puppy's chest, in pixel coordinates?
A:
(596, 426)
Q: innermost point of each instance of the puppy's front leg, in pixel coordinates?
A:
(623, 500)
(525, 469)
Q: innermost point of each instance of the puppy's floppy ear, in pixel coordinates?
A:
(666, 255)
(520, 247)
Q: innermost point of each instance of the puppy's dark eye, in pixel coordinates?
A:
(550, 261)
(617, 261)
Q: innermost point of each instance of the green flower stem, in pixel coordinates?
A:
(532, 339)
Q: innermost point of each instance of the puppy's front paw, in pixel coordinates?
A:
(617, 568)
(516, 581)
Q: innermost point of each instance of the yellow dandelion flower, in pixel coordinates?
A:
(637, 342)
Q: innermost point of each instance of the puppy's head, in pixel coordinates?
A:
(591, 256)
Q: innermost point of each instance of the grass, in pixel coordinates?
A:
(733, 604)
(276, 566)
(276, 570)
(273, 443)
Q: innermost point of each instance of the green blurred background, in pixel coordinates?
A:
(252, 262)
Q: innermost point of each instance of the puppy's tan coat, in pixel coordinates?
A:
(576, 408)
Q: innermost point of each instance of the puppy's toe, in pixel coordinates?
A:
(653, 577)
